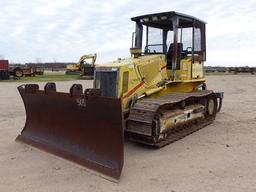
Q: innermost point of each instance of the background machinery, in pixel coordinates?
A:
(155, 97)
(85, 66)
(16, 70)
(4, 70)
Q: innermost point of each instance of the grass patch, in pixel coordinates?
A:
(48, 76)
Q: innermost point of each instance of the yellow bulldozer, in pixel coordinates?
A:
(155, 97)
(85, 66)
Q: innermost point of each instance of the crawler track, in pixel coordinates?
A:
(142, 124)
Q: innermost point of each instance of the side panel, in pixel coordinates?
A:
(185, 70)
(197, 70)
(145, 73)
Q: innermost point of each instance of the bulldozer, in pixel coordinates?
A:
(154, 98)
(85, 66)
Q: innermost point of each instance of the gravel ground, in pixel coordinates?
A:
(220, 157)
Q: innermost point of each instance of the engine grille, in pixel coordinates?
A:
(106, 81)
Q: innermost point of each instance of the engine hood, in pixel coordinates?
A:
(129, 61)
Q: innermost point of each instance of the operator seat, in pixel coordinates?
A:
(170, 56)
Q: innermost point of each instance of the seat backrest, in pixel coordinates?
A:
(170, 52)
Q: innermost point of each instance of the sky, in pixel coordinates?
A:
(63, 30)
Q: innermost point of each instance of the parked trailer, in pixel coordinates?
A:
(19, 70)
(4, 70)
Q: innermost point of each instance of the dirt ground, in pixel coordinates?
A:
(220, 157)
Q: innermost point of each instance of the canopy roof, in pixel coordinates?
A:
(163, 20)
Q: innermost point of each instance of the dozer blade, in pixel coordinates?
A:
(85, 128)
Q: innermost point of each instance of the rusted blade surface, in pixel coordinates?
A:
(87, 130)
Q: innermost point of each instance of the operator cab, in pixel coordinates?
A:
(176, 35)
